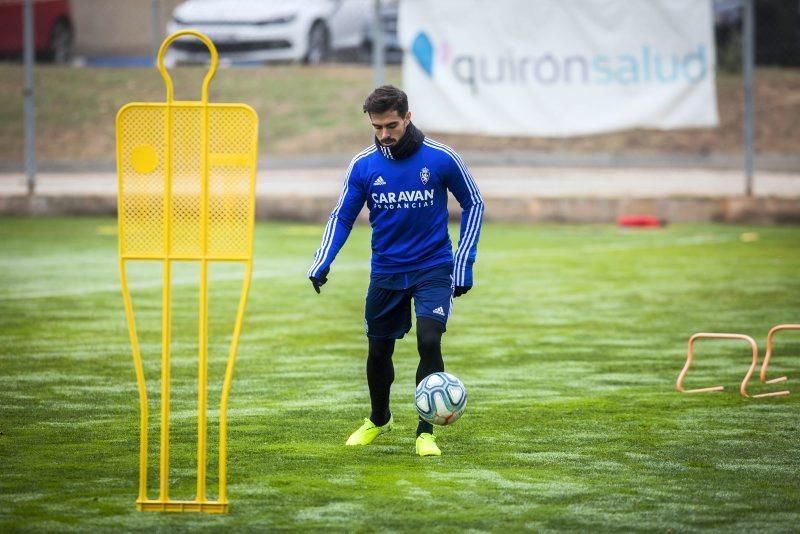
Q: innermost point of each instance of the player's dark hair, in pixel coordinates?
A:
(386, 98)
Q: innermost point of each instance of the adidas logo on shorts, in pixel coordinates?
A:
(439, 311)
(379, 181)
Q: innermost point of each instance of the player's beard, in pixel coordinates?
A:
(402, 148)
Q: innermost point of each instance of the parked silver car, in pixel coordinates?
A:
(271, 30)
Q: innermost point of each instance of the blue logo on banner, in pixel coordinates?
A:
(422, 48)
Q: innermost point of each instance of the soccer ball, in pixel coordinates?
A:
(440, 398)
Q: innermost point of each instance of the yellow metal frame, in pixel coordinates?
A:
(226, 221)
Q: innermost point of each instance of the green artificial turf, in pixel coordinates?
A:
(569, 345)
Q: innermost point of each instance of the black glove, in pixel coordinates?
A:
(461, 290)
(319, 281)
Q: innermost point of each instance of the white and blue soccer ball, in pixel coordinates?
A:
(441, 398)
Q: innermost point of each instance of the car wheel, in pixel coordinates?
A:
(318, 46)
(59, 47)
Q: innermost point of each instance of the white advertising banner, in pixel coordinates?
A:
(556, 67)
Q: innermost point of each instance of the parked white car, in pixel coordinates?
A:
(270, 30)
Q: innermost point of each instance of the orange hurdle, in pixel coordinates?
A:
(690, 356)
(768, 355)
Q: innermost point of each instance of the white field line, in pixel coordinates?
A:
(548, 252)
(258, 274)
(680, 241)
(177, 281)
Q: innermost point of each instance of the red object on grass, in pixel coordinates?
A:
(646, 221)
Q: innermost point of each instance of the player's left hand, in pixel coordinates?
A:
(461, 290)
(318, 282)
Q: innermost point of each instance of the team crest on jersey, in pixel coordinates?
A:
(424, 175)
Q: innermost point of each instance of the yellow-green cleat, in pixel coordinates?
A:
(367, 433)
(426, 445)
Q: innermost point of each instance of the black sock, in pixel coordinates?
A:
(380, 375)
(380, 419)
(429, 345)
(424, 426)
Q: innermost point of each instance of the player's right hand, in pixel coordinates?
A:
(319, 281)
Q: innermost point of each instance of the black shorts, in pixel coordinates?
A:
(387, 313)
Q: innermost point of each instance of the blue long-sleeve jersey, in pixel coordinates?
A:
(407, 201)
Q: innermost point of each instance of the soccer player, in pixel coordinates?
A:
(404, 179)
